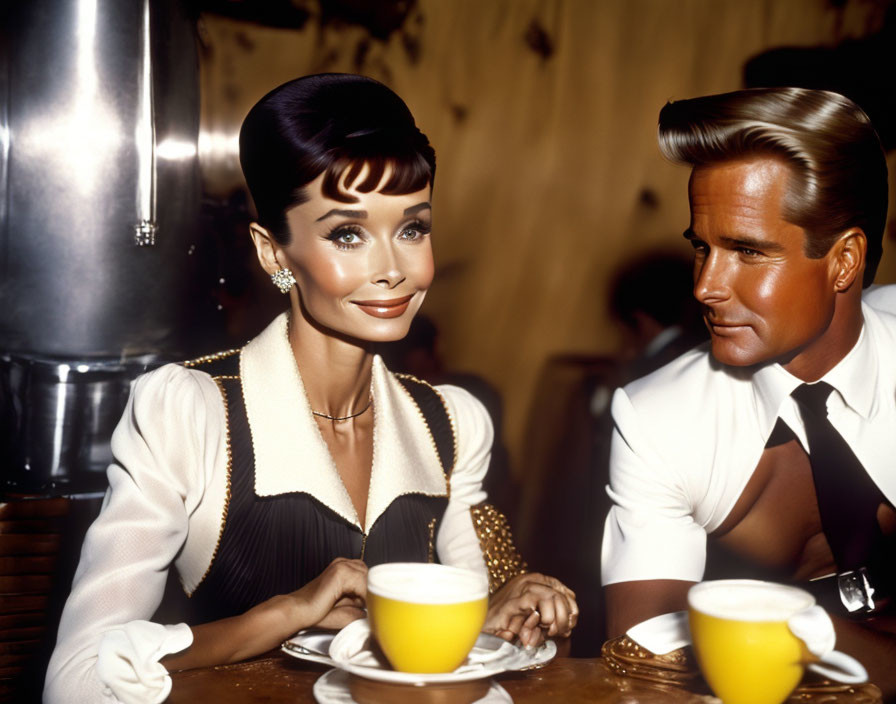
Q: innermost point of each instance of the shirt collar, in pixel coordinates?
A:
(291, 454)
(854, 377)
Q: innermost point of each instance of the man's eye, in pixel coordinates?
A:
(747, 252)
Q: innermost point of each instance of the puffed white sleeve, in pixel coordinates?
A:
(457, 542)
(650, 531)
(168, 440)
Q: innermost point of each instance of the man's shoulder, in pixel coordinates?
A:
(879, 312)
(691, 397)
(693, 377)
(881, 299)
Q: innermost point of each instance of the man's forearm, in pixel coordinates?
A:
(630, 603)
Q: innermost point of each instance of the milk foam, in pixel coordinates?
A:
(426, 583)
(748, 600)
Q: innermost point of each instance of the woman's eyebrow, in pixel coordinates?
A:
(344, 213)
(414, 209)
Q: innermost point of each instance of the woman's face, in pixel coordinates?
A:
(363, 268)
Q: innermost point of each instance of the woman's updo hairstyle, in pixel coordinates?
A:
(330, 123)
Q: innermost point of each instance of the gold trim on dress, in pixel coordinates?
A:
(501, 557)
(219, 381)
(205, 359)
(429, 430)
(431, 553)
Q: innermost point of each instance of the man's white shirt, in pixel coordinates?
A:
(688, 437)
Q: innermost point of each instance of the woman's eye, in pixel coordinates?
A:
(345, 238)
(414, 232)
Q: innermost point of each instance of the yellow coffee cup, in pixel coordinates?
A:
(425, 617)
(753, 640)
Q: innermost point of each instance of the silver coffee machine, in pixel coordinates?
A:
(99, 203)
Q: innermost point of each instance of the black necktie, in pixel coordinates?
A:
(848, 499)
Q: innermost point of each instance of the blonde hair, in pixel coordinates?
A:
(836, 161)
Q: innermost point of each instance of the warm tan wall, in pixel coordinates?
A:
(542, 161)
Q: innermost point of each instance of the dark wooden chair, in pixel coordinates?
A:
(31, 531)
(40, 544)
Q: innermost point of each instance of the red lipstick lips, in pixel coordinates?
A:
(388, 308)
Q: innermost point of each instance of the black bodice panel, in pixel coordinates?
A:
(276, 544)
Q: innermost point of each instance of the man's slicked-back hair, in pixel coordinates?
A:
(332, 124)
(838, 171)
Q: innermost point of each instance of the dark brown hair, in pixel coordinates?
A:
(331, 123)
(836, 161)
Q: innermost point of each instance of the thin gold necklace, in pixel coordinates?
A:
(339, 419)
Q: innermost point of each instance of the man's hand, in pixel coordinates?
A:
(532, 606)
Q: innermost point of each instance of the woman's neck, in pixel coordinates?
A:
(335, 371)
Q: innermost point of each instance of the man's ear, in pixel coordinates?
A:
(848, 261)
(265, 246)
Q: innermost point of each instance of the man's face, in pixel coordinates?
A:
(763, 299)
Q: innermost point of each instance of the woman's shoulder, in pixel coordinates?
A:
(177, 384)
(456, 400)
(471, 421)
(460, 401)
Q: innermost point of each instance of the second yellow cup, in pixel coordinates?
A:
(753, 640)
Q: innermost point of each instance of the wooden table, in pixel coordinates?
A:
(280, 678)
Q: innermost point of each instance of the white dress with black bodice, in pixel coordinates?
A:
(183, 491)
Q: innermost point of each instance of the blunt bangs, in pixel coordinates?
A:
(407, 174)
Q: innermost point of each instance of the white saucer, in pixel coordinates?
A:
(350, 651)
(311, 644)
(332, 688)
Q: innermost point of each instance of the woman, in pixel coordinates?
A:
(271, 476)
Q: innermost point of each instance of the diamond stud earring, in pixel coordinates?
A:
(283, 279)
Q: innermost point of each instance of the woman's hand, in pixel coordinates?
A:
(532, 606)
(334, 598)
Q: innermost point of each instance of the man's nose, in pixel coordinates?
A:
(710, 279)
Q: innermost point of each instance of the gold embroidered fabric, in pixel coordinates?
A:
(626, 658)
(206, 359)
(815, 690)
(501, 556)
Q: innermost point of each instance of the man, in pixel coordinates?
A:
(788, 197)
